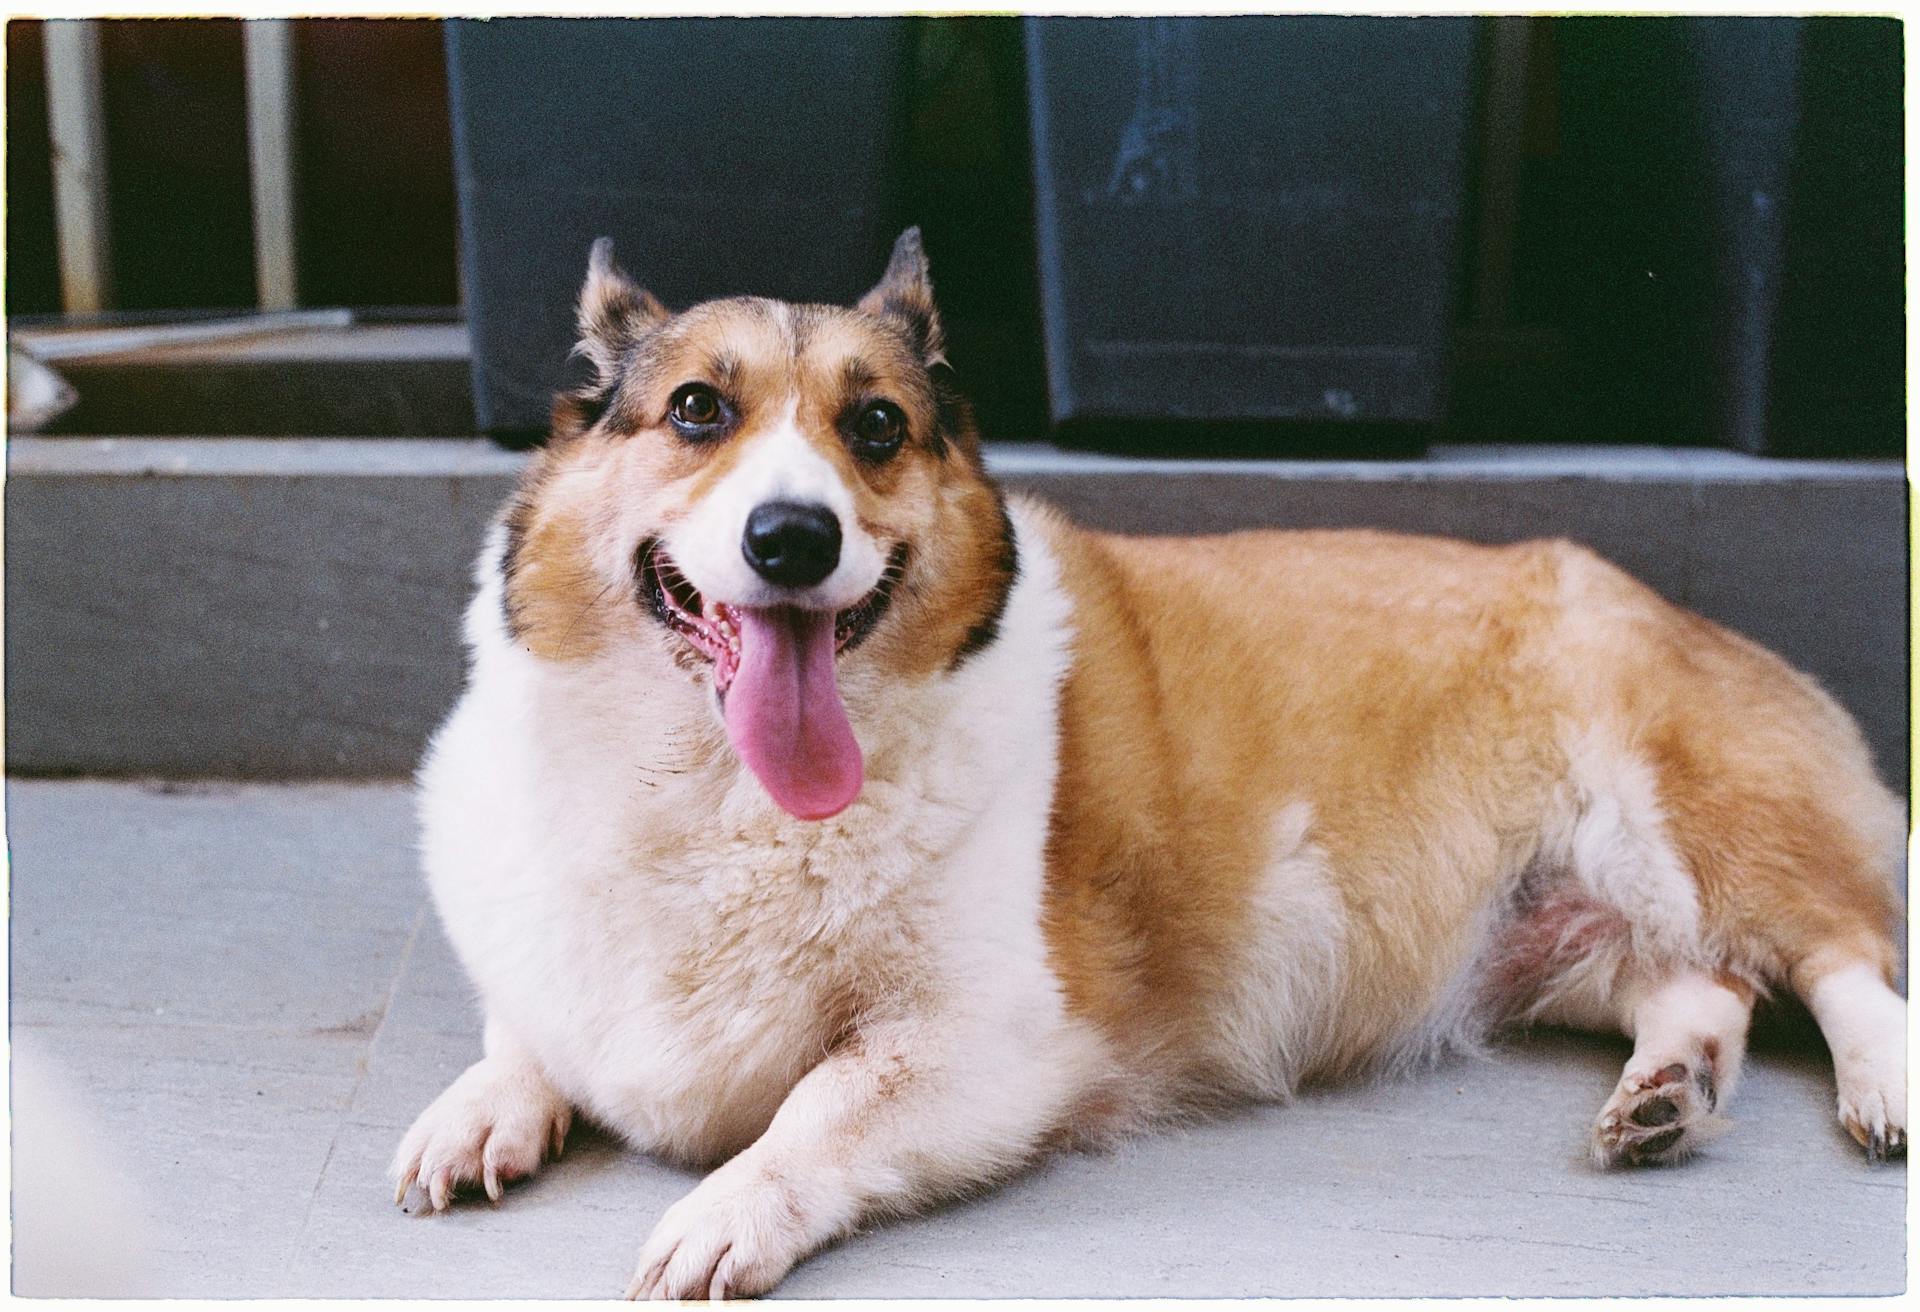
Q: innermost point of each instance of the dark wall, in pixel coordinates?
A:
(33, 264)
(376, 201)
(1612, 249)
(1843, 340)
(968, 183)
(182, 230)
(1708, 239)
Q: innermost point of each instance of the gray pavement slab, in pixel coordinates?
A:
(244, 993)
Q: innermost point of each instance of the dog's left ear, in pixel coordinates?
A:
(905, 293)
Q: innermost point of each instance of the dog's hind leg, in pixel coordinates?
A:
(1689, 1031)
(1621, 945)
(1865, 1024)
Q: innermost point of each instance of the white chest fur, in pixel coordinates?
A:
(675, 950)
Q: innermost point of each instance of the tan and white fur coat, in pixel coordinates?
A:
(1141, 825)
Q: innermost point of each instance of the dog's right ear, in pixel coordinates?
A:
(615, 312)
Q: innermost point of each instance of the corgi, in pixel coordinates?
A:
(817, 812)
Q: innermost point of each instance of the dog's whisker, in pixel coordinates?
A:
(587, 608)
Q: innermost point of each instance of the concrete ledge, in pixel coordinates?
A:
(289, 607)
(1013, 461)
(366, 379)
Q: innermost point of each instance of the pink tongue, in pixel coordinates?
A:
(784, 714)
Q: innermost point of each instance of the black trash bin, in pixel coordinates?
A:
(723, 156)
(1249, 227)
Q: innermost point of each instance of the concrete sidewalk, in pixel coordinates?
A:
(243, 989)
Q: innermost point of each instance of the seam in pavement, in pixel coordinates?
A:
(360, 1077)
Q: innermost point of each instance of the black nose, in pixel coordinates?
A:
(791, 543)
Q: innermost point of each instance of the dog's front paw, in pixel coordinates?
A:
(726, 1239)
(493, 1125)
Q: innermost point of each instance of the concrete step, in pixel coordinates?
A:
(288, 607)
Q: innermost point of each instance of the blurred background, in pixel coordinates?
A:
(1263, 235)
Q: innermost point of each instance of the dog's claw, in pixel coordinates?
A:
(406, 1183)
(639, 1289)
(491, 1127)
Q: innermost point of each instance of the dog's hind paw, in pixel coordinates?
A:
(1658, 1117)
(1876, 1116)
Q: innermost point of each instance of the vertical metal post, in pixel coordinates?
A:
(270, 141)
(77, 124)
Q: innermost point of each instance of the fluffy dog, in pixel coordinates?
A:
(816, 810)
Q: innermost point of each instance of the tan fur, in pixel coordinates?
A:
(1417, 692)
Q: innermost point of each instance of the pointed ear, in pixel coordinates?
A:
(615, 312)
(905, 293)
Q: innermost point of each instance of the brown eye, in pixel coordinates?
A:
(697, 409)
(878, 429)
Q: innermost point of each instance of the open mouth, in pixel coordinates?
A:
(713, 628)
(775, 669)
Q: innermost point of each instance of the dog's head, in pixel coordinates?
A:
(757, 495)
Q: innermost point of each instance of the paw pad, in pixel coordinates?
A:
(1658, 1117)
